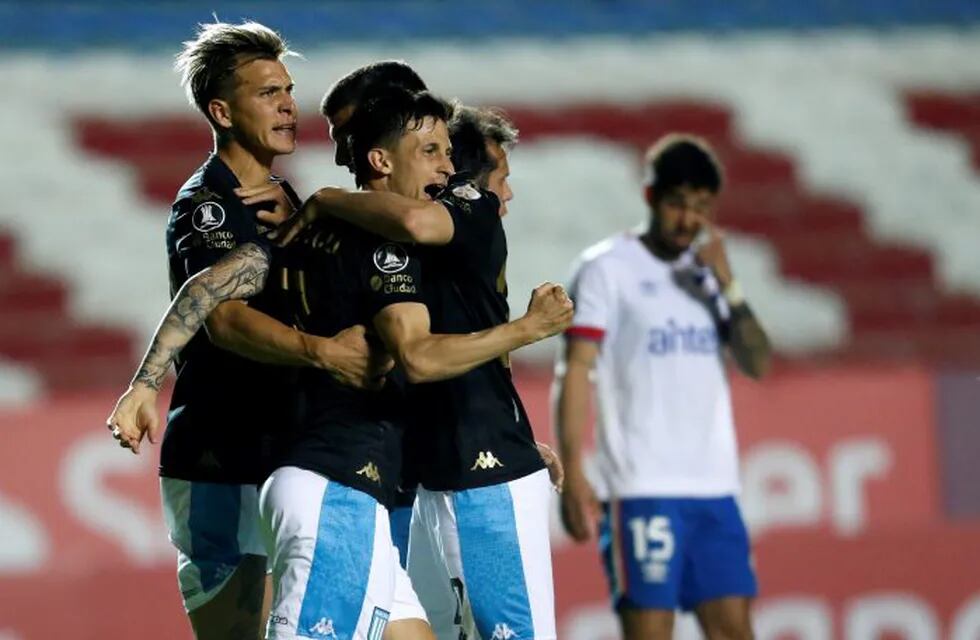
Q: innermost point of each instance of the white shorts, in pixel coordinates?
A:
(495, 548)
(335, 570)
(440, 595)
(212, 525)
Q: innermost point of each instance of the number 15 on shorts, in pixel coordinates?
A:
(653, 546)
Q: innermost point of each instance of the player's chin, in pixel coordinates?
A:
(283, 142)
(285, 147)
(682, 242)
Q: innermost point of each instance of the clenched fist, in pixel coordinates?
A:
(549, 311)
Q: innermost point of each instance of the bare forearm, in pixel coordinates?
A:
(242, 275)
(249, 333)
(571, 414)
(749, 343)
(441, 356)
(388, 214)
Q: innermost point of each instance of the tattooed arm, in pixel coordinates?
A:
(240, 273)
(213, 296)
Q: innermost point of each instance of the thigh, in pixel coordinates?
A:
(504, 557)
(408, 630)
(642, 542)
(214, 526)
(646, 624)
(333, 563)
(719, 556)
(236, 611)
(726, 618)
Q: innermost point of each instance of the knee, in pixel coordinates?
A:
(729, 631)
(646, 624)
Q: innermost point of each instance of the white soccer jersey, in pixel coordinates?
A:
(664, 416)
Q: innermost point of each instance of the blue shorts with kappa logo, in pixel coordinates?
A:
(665, 553)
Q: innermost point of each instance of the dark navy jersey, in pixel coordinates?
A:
(472, 429)
(225, 409)
(340, 276)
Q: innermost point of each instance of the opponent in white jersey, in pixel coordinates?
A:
(654, 314)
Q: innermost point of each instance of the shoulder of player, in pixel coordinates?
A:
(198, 193)
(604, 252)
(467, 195)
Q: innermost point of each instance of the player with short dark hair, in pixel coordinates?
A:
(342, 98)
(325, 506)
(484, 486)
(226, 408)
(655, 315)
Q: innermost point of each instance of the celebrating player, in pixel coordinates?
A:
(655, 314)
(226, 408)
(485, 491)
(325, 506)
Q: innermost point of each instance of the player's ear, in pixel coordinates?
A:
(220, 112)
(648, 194)
(380, 161)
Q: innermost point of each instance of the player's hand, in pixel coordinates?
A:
(709, 249)
(352, 360)
(579, 508)
(556, 472)
(134, 416)
(275, 197)
(303, 217)
(549, 311)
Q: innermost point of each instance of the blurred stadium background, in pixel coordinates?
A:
(851, 136)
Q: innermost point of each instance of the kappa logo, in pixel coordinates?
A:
(324, 628)
(502, 632)
(390, 258)
(370, 471)
(208, 461)
(466, 191)
(208, 216)
(486, 460)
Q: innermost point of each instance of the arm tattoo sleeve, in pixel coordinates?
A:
(241, 273)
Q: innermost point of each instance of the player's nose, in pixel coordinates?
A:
(446, 166)
(690, 219)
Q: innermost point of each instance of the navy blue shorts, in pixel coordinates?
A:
(669, 553)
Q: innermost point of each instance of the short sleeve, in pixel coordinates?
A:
(476, 217)
(592, 291)
(209, 227)
(391, 274)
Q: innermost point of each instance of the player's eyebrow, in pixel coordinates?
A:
(275, 87)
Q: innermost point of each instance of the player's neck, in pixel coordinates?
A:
(657, 247)
(377, 184)
(249, 168)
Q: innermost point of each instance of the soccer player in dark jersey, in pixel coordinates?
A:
(335, 569)
(485, 491)
(225, 407)
(338, 105)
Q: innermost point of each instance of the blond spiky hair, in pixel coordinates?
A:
(207, 63)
